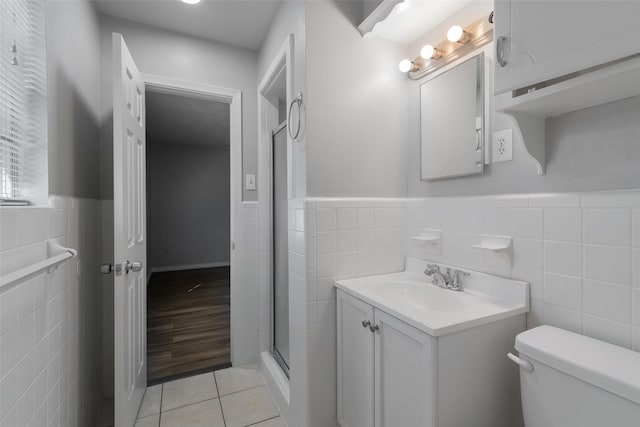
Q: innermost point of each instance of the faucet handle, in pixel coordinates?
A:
(458, 275)
(432, 269)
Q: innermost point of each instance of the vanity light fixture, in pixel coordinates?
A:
(406, 65)
(191, 1)
(457, 35)
(430, 52)
(460, 41)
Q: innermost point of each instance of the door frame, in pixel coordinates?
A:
(233, 97)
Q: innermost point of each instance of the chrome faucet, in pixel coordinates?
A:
(450, 279)
(437, 278)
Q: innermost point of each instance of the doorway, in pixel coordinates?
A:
(129, 266)
(188, 234)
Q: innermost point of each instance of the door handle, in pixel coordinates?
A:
(134, 266)
(500, 51)
(106, 268)
(366, 323)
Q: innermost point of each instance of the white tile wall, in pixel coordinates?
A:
(50, 353)
(346, 238)
(579, 252)
(245, 293)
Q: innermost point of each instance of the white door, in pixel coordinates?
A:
(405, 364)
(130, 298)
(355, 362)
(547, 39)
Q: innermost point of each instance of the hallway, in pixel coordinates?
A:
(187, 323)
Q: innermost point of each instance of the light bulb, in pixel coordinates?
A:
(406, 65)
(191, 1)
(430, 52)
(457, 35)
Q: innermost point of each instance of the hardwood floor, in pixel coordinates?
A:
(187, 323)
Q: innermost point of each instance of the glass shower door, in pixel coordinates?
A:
(280, 249)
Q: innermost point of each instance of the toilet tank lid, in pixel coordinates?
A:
(604, 365)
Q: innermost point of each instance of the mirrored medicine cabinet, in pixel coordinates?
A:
(452, 121)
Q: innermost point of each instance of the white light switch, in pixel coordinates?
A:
(250, 182)
(502, 146)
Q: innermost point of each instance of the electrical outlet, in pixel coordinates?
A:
(502, 146)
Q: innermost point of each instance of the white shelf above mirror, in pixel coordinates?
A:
(405, 21)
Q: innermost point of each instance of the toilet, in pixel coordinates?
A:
(569, 380)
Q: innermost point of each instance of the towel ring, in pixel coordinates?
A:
(297, 100)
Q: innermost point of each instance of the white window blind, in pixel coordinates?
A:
(23, 114)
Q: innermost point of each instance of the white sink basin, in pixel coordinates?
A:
(410, 296)
(421, 295)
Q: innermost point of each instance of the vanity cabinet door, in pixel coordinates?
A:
(545, 39)
(355, 361)
(405, 374)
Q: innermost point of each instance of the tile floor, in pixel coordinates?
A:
(233, 397)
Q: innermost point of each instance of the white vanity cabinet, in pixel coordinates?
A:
(385, 369)
(392, 374)
(544, 39)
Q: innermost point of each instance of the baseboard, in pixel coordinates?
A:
(189, 267)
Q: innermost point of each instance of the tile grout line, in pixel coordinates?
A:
(246, 389)
(215, 381)
(190, 404)
(262, 421)
(161, 396)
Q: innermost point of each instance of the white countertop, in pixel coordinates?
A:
(411, 297)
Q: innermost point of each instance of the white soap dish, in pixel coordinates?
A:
(494, 244)
(428, 237)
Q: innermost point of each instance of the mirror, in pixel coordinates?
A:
(452, 121)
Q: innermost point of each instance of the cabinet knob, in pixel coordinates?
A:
(373, 328)
(366, 323)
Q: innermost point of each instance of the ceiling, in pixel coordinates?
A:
(243, 23)
(180, 120)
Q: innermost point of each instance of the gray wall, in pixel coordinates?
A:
(73, 74)
(73, 70)
(356, 107)
(188, 205)
(182, 57)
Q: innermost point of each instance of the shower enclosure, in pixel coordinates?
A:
(280, 280)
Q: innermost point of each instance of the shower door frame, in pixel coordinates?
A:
(274, 350)
(268, 120)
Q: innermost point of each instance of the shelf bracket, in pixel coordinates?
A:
(532, 132)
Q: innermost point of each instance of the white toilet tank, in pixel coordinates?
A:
(577, 381)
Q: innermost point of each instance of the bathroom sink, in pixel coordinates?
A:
(410, 296)
(422, 295)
